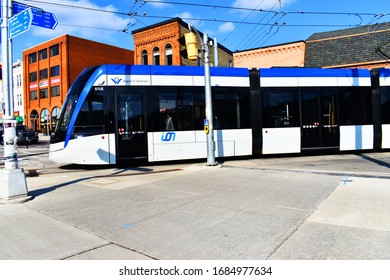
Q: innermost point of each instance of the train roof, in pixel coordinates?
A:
(120, 69)
(313, 72)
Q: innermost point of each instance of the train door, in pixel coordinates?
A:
(131, 134)
(320, 127)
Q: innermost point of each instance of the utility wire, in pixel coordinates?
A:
(258, 10)
(133, 14)
(202, 5)
(235, 28)
(247, 38)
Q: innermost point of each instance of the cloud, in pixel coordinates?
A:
(261, 4)
(226, 27)
(157, 5)
(87, 22)
(189, 18)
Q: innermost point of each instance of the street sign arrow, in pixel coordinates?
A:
(20, 23)
(41, 18)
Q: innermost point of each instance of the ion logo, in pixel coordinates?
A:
(169, 136)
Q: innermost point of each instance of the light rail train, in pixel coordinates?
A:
(115, 113)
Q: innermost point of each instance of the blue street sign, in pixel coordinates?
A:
(20, 23)
(41, 18)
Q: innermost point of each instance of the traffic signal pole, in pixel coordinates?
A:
(13, 186)
(209, 105)
(192, 52)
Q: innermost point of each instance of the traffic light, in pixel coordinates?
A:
(192, 50)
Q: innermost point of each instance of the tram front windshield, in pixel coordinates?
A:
(70, 103)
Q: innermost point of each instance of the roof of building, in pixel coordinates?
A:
(181, 22)
(176, 19)
(349, 31)
(271, 46)
(369, 43)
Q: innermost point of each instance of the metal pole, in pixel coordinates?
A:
(10, 152)
(208, 100)
(5, 51)
(13, 184)
(209, 104)
(216, 60)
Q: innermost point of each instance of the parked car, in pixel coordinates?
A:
(25, 135)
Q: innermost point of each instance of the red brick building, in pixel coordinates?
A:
(163, 44)
(50, 69)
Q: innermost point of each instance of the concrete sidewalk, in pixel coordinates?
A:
(197, 212)
(352, 223)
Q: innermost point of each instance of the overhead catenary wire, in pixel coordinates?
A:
(271, 25)
(236, 27)
(247, 38)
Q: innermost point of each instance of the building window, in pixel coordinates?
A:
(43, 54)
(55, 91)
(156, 56)
(54, 50)
(33, 77)
(32, 58)
(54, 71)
(34, 95)
(55, 114)
(43, 93)
(168, 54)
(144, 57)
(45, 122)
(19, 99)
(43, 74)
(18, 80)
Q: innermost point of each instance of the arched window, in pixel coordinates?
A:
(144, 57)
(55, 114)
(34, 119)
(156, 56)
(45, 121)
(168, 54)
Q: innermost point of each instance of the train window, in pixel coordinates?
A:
(385, 112)
(172, 108)
(230, 108)
(130, 110)
(280, 107)
(91, 117)
(200, 108)
(355, 106)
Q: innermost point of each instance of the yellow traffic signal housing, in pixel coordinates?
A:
(192, 50)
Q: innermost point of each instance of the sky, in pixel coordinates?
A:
(237, 24)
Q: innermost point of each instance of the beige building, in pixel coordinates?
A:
(290, 55)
